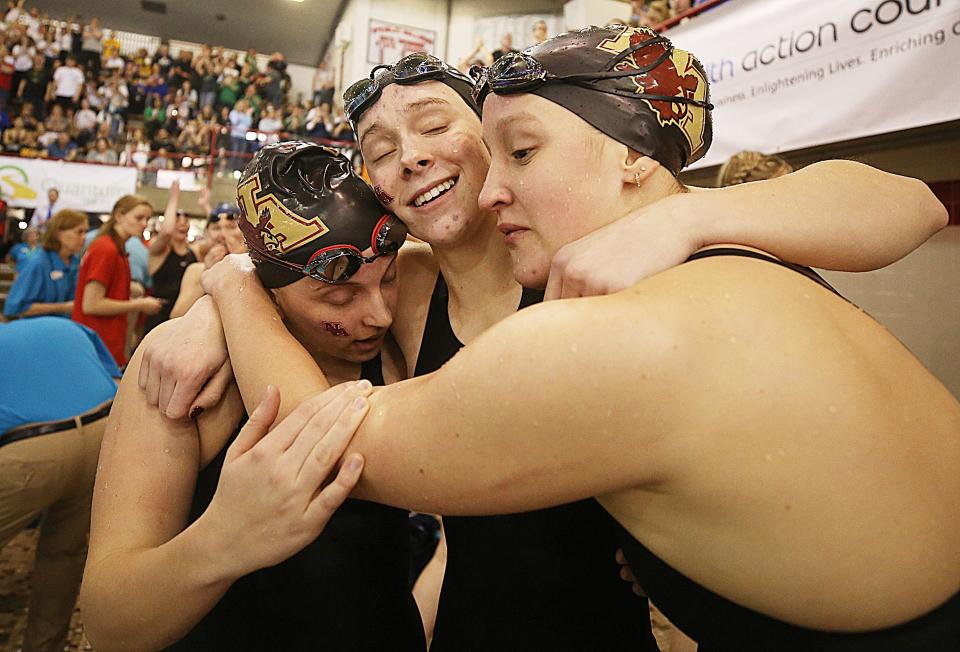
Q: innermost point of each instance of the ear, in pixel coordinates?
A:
(637, 168)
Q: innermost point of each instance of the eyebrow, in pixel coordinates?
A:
(511, 120)
(413, 107)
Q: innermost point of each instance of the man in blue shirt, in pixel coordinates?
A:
(52, 415)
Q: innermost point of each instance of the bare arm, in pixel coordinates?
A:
(144, 565)
(190, 291)
(834, 215)
(160, 242)
(139, 560)
(248, 315)
(38, 308)
(95, 302)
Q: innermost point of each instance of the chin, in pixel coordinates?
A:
(530, 273)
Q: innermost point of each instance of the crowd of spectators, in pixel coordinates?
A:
(69, 91)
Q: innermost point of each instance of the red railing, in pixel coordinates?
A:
(689, 13)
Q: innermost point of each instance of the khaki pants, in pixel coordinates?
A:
(51, 476)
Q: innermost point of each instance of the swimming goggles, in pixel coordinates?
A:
(518, 72)
(337, 263)
(411, 69)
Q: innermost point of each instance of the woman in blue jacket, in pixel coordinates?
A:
(48, 281)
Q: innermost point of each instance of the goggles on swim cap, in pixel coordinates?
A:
(305, 212)
(629, 83)
(411, 69)
(337, 263)
(518, 72)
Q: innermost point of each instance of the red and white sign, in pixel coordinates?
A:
(388, 42)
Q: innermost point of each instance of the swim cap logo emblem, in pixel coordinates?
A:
(679, 76)
(266, 220)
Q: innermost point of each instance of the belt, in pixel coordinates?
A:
(26, 432)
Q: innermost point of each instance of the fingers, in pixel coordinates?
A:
(144, 368)
(320, 424)
(332, 442)
(257, 426)
(168, 383)
(332, 496)
(555, 279)
(212, 391)
(288, 430)
(621, 559)
(152, 388)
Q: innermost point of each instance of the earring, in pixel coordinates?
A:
(643, 169)
(636, 176)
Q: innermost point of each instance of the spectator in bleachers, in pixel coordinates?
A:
(162, 60)
(68, 82)
(241, 120)
(6, 74)
(91, 45)
(270, 124)
(13, 136)
(23, 53)
(21, 252)
(48, 280)
(85, 123)
(57, 120)
(102, 153)
(323, 83)
(63, 147)
(33, 84)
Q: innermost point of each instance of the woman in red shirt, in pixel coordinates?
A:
(103, 285)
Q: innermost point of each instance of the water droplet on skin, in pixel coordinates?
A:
(573, 348)
(733, 339)
(166, 450)
(726, 295)
(832, 409)
(768, 457)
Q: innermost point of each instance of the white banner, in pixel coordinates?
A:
(83, 186)
(388, 42)
(796, 73)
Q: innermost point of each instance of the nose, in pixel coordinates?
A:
(494, 196)
(413, 159)
(378, 314)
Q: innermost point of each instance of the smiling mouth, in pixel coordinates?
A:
(437, 191)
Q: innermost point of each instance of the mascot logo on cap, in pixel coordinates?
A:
(269, 221)
(680, 76)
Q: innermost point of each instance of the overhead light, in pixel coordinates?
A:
(22, 225)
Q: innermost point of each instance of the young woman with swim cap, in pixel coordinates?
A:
(201, 536)
(739, 419)
(418, 135)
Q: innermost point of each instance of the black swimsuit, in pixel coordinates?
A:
(720, 625)
(542, 580)
(347, 591)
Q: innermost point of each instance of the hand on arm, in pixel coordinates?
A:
(144, 565)
(834, 215)
(185, 367)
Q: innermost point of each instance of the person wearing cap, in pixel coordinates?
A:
(420, 135)
(222, 236)
(784, 473)
(199, 540)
